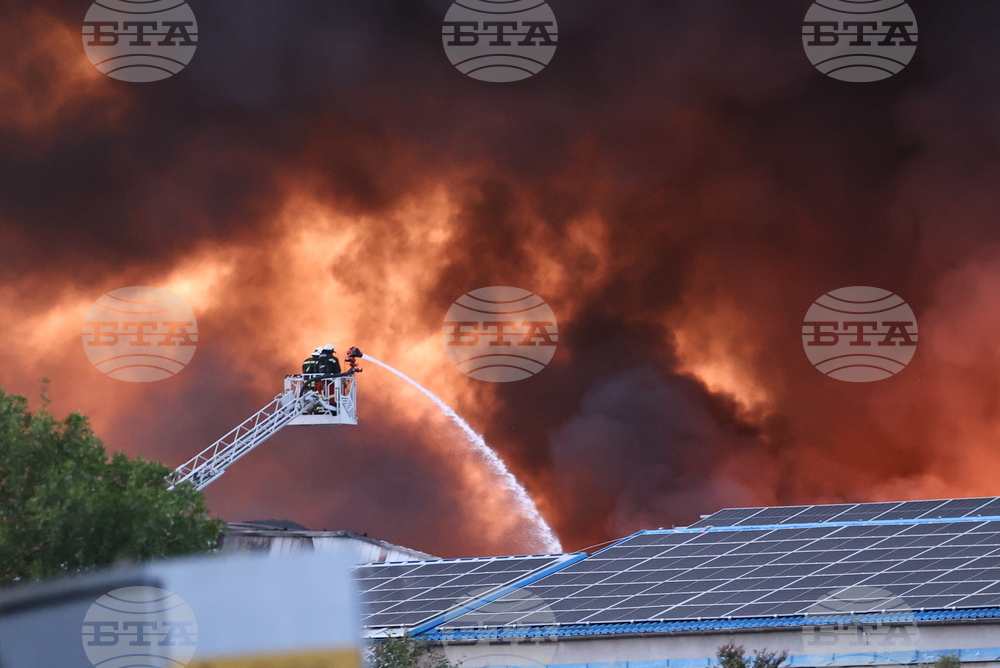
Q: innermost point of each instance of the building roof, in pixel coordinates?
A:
(263, 536)
(283, 525)
(930, 561)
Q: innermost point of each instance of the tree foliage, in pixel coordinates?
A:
(65, 506)
(732, 655)
(945, 661)
(405, 652)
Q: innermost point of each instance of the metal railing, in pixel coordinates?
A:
(338, 395)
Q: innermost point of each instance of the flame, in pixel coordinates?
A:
(718, 343)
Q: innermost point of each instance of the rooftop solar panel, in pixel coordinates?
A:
(784, 514)
(820, 513)
(990, 508)
(909, 510)
(726, 517)
(863, 512)
(853, 512)
(405, 594)
(956, 508)
(772, 571)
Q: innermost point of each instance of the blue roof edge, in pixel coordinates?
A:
(619, 628)
(570, 559)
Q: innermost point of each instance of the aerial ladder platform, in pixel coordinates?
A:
(310, 399)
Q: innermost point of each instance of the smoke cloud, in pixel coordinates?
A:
(679, 184)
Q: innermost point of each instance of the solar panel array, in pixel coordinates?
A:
(406, 593)
(757, 572)
(854, 512)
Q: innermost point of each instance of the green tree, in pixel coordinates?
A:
(405, 652)
(944, 661)
(948, 661)
(65, 506)
(732, 655)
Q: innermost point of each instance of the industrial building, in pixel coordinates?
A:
(282, 537)
(875, 584)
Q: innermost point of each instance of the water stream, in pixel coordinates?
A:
(543, 532)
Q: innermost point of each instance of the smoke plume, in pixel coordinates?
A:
(679, 184)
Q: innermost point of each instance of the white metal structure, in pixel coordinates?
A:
(338, 400)
(324, 401)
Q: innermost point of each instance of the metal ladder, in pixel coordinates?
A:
(213, 461)
(331, 400)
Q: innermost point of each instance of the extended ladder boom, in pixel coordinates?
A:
(213, 461)
(313, 400)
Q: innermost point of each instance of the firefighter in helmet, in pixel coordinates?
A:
(310, 367)
(329, 365)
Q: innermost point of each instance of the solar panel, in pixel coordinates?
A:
(819, 514)
(407, 593)
(990, 508)
(853, 512)
(773, 571)
(863, 512)
(955, 508)
(783, 514)
(909, 510)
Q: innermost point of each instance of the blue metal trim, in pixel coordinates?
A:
(494, 595)
(978, 654)
(701, 625)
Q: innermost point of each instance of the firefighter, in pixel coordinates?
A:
(310, 367)
(329, 364)
(328, 367)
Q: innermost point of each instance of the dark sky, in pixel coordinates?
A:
(679, 184)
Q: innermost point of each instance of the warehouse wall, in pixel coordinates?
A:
(976, 642)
